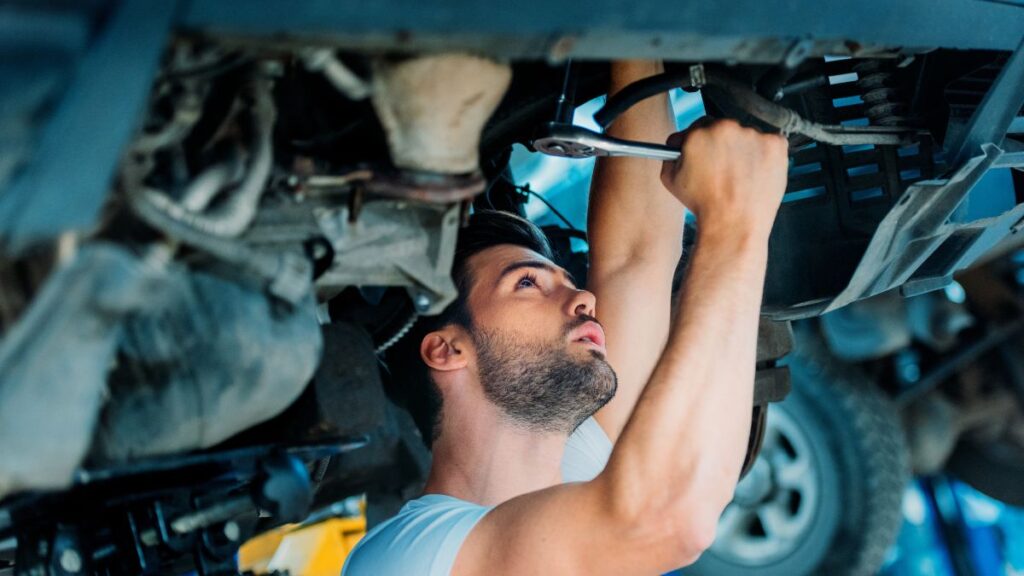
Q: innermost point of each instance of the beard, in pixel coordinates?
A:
(541, 385)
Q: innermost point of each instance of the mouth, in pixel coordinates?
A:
(589, 334)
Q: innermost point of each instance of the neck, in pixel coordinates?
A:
(487, 460)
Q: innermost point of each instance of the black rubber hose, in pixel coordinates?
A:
(744, 97)
(275, 270)
(641, 90)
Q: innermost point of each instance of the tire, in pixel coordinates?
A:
(825, 494)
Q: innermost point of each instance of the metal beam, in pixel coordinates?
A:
(747, 30)
(1010, 160)
(992, 118)
(65, 185)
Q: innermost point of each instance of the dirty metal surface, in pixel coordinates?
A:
(742, 30)
(70, 172)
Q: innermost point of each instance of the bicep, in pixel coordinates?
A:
(565, 529)
(635, 229)
(634, 306)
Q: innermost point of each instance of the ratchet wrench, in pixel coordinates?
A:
(570, 141)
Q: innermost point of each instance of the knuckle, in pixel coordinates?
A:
(774, 143)
(695, 138)
(730, 126)
(666, 178)
(676, 139)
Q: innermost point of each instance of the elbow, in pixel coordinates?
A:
(677, 539)
(683, 527)
(682, 520)
(694, 537)
(696, 521)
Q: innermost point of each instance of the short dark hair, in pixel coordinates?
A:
(486, 229)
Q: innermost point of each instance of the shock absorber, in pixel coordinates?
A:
(884, 103)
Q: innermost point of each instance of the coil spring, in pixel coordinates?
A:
(884, 103)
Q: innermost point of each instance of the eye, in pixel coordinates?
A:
(527, 281)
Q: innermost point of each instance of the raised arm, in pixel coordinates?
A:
(677, 461)
(635, 230)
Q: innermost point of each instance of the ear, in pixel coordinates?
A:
(443, 350)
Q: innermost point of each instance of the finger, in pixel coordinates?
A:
(676, 139)
(702, 122)
(782, 140)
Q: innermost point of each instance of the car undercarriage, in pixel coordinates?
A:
(217, 218)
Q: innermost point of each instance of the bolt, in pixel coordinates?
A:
(556, 148)
(232, 532)
(149, 538)
(319, 251)
(561, 49)
(698, 76)
(422, 302)
(70, 560)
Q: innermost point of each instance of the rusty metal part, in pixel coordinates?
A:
(772, 381)
(426, 187)
(429, 187)
(324, 183)
(355, 203)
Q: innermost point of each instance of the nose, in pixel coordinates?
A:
(583, 303)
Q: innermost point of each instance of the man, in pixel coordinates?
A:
(520, 363)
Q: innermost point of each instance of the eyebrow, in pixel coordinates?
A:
(536, 264)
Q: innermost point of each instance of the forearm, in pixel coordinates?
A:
(631, 214)
(683, 447)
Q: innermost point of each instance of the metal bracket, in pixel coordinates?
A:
(65, 185)
(916, 228)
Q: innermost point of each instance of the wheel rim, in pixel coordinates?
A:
(774, 505)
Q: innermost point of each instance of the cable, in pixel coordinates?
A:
(554, 210)
(205, 71)
(487, 193)
(402, 331)
(235, 215)
(525, 189)
(786, 120)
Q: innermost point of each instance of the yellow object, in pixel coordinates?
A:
(316, 550)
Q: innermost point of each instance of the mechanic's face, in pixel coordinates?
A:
(539, 350)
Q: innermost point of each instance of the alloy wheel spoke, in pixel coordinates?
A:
(776, 520)
(734, 521)
(795, 474)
